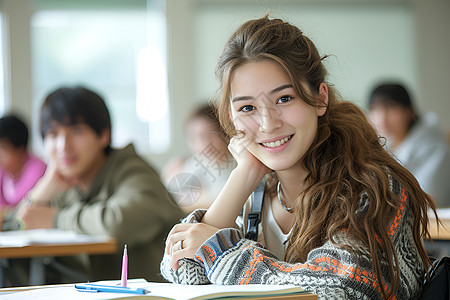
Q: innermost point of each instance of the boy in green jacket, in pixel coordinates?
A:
(93, 189)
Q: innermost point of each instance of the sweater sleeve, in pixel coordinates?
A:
(189, 271)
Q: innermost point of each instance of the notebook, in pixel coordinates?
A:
(168, 291)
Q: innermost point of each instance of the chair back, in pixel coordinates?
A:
(437, 287)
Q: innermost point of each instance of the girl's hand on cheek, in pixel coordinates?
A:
(246, 160)
(185, 239)
(240, 184)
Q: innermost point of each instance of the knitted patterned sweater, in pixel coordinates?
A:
(330, 271)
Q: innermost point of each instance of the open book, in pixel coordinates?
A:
(167, 291)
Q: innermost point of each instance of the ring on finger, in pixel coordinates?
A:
(179, 245)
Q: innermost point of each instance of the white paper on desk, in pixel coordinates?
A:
(22, 238)
(158, 291)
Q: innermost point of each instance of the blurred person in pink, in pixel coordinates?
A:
(19, 169)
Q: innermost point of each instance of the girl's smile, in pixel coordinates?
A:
(277, 144)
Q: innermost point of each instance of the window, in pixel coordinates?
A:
(115, 53)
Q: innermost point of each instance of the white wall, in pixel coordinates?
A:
(433, 47)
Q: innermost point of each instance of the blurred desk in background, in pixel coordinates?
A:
(441, 233)
(42, 245)
(440, 246)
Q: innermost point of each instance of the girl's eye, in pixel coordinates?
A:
(285, 99)
(247, 108)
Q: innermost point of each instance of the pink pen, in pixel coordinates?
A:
(124, 267)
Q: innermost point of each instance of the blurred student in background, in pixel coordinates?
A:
(196, 181)
(19, 169)
(93, 189)
(415, 140)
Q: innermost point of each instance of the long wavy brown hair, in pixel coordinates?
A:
(346, 158)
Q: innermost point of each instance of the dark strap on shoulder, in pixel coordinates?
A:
(254, 217)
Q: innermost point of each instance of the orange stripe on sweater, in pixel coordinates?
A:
(399, 215)
(211, 253)
(334, 267)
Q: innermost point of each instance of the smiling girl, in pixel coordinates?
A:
(340, 216)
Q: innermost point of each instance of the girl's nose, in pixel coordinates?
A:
(269, 119)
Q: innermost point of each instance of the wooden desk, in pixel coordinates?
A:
(439, 246)
(106, 247)
(443, 233)
(39, 253)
